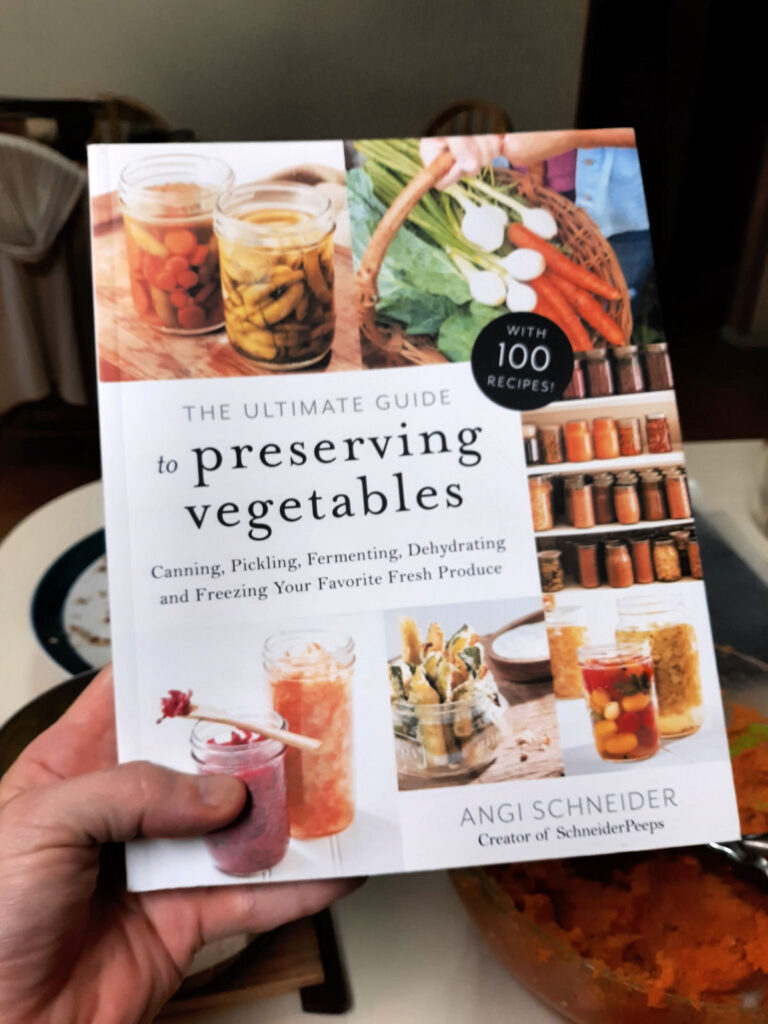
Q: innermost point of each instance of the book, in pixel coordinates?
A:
(398, 525)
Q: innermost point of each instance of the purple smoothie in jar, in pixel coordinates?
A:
(258, 838)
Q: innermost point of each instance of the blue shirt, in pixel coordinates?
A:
(609, 186)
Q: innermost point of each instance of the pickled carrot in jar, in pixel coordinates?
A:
(311, 678)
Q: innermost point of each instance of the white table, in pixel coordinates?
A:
(412, 953)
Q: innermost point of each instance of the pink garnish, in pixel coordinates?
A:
(175, 704)
(236, 739)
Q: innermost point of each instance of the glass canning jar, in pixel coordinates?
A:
(531, 445)
(589, 567)
(602, 492)
(653, 495)
(618, 564)
(258, 837)
(621, 698)
(678, 499)
(566, 633)
(310, 674)
(578, 441)
(551, 570)
(657, 431)
(658, 368)
(666, 560)
(540, 495)
(642, 560)
(577, 387)
(627, 370)
(599, 373)
(167, 204)
(606, 438)
(626, 500)
(630, 437)
(551, 443)
(666, 626)
(277, 273)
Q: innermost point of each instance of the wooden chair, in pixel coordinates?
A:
(470, 117)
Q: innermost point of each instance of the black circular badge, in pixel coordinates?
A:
(522, 361)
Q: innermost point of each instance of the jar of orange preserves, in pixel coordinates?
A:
(578, 441)
(310, 673)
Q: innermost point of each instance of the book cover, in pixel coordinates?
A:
(398, 524)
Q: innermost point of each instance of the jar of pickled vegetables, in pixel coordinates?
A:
(310, 674)
(551, 570)
(657, 430)
(276, 244)
(566, 633)
(167, 204)
(621, 698)
(664, 624)
(630, 438)
(666, 560)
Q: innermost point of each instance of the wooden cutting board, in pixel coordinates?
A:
(132, 350)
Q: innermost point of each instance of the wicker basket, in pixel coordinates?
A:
(385, 346)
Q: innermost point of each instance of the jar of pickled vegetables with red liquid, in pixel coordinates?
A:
(258, 838)
(621, 697)
(310, 673)
(167, 204)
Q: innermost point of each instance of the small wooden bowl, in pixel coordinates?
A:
(517, 670)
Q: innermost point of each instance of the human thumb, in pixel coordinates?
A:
(127, 802)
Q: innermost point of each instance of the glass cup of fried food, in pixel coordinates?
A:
(276, 248)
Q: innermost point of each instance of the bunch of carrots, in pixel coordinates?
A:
(566, 293)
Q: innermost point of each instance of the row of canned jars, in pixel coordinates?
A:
(585, 501)
(662, 558)
(605, 438)
(622, 370)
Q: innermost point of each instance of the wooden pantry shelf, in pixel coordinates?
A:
(645, 524)
(645, 398)
(651, 589)
(646, 461)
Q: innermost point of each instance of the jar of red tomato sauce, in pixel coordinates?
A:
(258, 838)
(310, 673)
(173, 259)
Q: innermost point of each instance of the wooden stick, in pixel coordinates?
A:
(290, 739)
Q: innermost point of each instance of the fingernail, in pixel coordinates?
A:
(216, 790)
